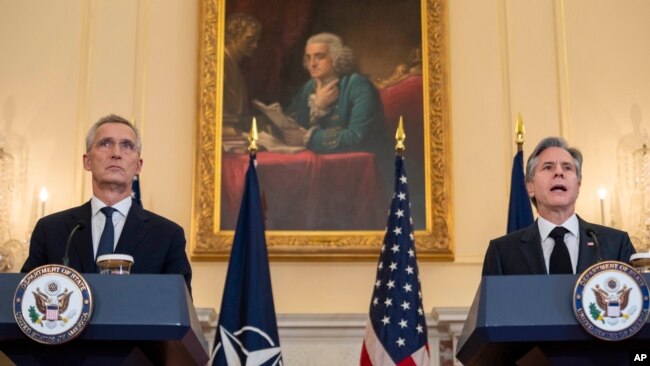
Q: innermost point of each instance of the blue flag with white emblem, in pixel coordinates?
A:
(247, 332)
(520, 214)
(135, 190)
(396, 331)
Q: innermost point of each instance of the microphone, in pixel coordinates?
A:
(592, 233)
(79, 226)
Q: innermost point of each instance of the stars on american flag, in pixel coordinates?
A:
(396, 311)
(400, 341)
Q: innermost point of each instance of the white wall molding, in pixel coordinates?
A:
(336, 339)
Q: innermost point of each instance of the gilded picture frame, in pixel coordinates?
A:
(208, 242)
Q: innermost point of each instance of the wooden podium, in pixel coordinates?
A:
(136, 320)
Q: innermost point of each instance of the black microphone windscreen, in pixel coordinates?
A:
(78, 226)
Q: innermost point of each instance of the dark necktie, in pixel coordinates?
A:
(560, 262)
(107, 240)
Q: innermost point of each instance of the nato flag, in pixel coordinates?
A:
(247, 332)
(520, 214)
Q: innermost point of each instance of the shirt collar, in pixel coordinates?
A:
(122, 207)
(545, 226)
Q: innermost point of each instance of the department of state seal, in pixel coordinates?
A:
(52, 304)
(610, 301)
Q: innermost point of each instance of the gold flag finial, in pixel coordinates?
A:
(400, 136)
(520, 131)
(252, 138)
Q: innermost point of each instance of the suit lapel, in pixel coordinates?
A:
(82, 242)
(586, 253)
(134, 228)
(531, 249)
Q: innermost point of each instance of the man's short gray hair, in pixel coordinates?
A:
(342, 56)
(576, 155)
(112, 118)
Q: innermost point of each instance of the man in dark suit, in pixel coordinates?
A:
(559, 241)
(157, 245)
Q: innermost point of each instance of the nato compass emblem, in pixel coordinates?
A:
(611, 301)
(235, 352)
(52, 304)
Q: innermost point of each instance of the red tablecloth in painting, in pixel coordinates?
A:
(308, 191)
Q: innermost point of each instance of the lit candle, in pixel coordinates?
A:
(43, 197)
(602, 193)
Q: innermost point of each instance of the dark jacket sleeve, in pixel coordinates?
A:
(37, 251)
(492, 261)
(627, 249)
(176, 261)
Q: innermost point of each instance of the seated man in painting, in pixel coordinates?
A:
(339, 109)
(337, 114)
(242, 34)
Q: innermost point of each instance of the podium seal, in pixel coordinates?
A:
(610, 301)
(52, 304)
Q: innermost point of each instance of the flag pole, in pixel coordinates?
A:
(136, 193)
(520, 131)
(252, 150)
(400, 136)
(252, 138)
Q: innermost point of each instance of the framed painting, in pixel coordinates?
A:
(327, 82)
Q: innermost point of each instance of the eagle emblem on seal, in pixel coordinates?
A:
(611, 298)
(51, 304)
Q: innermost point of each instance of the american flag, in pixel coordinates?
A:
(396, 332)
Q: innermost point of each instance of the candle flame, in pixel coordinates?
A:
(43, 195)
